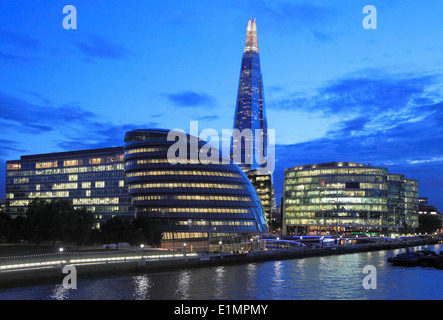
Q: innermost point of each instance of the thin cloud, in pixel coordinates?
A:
(94, 46)
(190, 99)
(19, 41)
(28, 115)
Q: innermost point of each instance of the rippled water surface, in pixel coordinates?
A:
(333, 277)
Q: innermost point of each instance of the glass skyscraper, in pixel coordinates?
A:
(249, 143)
(250, 111)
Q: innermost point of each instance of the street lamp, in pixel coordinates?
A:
(61, 253)
(184, 247)
(141, 249)
(220, 243)
(278, 239)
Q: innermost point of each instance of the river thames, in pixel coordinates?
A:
(317, 278)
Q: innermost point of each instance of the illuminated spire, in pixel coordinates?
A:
(251, 36)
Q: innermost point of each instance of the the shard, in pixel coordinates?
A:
(249, 146)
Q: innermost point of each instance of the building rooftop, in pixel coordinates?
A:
(329, 165)
(59, 155)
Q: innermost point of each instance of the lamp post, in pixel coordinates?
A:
(220, 243)
(141, 249)
(278, 246)
(184, 247)
(61, 255)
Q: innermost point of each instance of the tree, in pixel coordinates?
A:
(17, 229)
(56, 220)
(116, 230)
(5, 226)
(145, 231)
(81, 227)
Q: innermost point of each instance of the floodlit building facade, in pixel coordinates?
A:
(190, 201)
(347, 198)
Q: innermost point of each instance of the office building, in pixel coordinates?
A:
(93, 179)
(191, 201)
(347, 198)
(429, 218)
(264, 188)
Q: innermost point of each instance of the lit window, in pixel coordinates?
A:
(13, 166)
(99, 184)
(70, 163)
(95, 161)
(43, 165)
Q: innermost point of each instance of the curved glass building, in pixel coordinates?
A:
(190, 200)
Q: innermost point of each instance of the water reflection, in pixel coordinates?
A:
(332, 277)
(60, 293)
(184, 282)
(142, 287)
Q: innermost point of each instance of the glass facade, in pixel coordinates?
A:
(411, 204)
(396, 198)
(250, 111)
(263, 185)
(93, 179)
(189, 200)
(346, 198)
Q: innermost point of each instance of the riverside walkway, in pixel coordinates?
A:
(20, 270)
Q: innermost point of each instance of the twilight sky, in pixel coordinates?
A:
(334, 91)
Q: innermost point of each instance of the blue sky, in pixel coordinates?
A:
(334, 91)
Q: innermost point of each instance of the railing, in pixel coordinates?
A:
(79, 260)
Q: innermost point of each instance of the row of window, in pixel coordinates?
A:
(332, 222)
(343, 214)
(140, 150)
(66, 163)
(333, 179)
(183, 235)
(349, 207)
(191, 198)
(336, 171)
(215, 223)
(186, 185)
(111, 167)
(183, 172)
(326, 186)
(197, 210)
(92, 201)
(336, 200)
